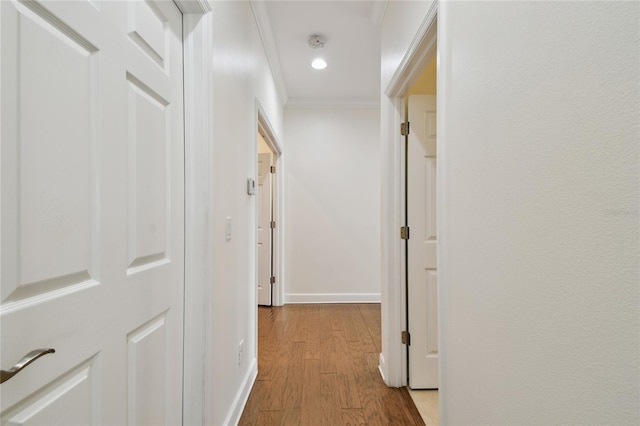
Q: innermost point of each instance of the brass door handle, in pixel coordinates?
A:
(26, 360)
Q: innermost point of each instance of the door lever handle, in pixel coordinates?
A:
(26, 360)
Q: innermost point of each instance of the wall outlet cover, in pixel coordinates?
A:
(227, 228)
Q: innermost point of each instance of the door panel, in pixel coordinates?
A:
(155, 211)
(431, 298)
(264, 229)
(49, 233)
(146, 28)
(146, 367)
(70, 400)
(50, 248)
(149, 141)
(92, 199)
(422, 245)
(429, 239)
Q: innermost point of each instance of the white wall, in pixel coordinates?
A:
(332, 243)
(539, 180)
(240, 74)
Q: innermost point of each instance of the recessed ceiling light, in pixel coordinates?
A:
(319, 64)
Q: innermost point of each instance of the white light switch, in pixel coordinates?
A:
(227, 228)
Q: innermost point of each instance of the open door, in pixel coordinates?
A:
(265, 229)
(268, 213)
(422, 272)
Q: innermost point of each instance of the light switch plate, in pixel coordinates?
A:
(227, 228)
(251, 186)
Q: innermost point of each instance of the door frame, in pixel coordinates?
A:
(393, 359)
(199, 200)
(264, 127)
(197, 30)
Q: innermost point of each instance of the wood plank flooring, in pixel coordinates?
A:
(318, 365)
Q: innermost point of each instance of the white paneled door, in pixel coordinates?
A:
(422, 244)
(264, 229)
(92, 215)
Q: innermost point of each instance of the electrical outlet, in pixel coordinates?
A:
(240, 352)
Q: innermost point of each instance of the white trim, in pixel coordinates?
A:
(294, 298)
(404, 368)
(233, 417)
(264, 127)
(382, 367)
(444, 81)
(421, 50)
(198, 98)
(378, 10)
(193, 7)
(261, 16)
(333, 103)
(393, 366)
(392, 283)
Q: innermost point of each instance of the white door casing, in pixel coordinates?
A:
(264, 229)
(422, 244)
(92, 211)
(415, 57)
(267, 134)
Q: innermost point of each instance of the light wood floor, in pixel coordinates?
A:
(318, 365)
(426, 402)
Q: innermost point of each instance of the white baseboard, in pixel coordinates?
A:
(381, 366)
(332, 298)
(233, 418)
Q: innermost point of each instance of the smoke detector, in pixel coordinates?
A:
(316, 41)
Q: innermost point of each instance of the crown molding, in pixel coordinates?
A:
(261, 16)
(378, 10)
(422, 48)
(333, 103)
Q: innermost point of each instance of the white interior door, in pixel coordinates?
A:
(92, 214)
(422, 244)
(264, 229)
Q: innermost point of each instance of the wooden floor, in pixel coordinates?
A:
(318, 365)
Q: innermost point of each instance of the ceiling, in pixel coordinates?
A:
(352, 48)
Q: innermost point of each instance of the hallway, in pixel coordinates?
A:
(318, 365)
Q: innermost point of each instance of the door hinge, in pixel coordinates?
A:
(404, 128)
(406, 338)
(404, 232)
(272, 169)
(272, 224)
(272, 280)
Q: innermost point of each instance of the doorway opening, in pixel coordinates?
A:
(265, 222)
(420, 254)
(413, 304)
(420, 251)
(268, 214)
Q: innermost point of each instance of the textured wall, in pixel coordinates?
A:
(539, 244)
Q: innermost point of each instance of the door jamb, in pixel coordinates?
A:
(197, 25)
(264, 127)
(393, 362)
